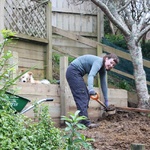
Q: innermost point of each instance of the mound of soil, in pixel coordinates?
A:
(119, 131)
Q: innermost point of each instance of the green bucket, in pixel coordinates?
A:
(17, 102)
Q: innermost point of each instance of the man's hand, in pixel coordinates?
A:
(92, 92)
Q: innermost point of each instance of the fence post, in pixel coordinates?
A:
(99, 53)
(100, 24)
(64, 105)
(2, 4)
(49, 45)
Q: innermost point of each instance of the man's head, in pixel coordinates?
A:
(110, 61)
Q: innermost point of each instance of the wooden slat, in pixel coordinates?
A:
(134, 109)
(31, 38)
(70, 11)
(28, 54)
(75, 37)
(123, 54)
(63, 52)
(94, 44)
(125, 74)
(28, 63)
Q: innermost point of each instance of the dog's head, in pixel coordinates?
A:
(27, 77)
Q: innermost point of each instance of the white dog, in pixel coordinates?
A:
(28, 77)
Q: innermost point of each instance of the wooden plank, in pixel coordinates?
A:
(123, 54)
(74, 52)
(29, 63)
(27, 45)
(125, 74)
(137, 146)
(28, 54)
(63, 52)
(31, 38)
(70, 11)
(100, 24)
(75, 37)
(65, 42)
(38, 89)
(48, 67)
(94, 44)
(63, 87)
(134, 109)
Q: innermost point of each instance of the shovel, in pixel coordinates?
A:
(109, 110)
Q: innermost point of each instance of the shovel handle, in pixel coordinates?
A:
(96, 98)
(101, 103)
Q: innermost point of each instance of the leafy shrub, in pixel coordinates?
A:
(16, 131)
(145, 49)
(118, 40)
(75, 140)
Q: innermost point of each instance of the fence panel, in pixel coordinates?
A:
(26, 17)
(78, 18)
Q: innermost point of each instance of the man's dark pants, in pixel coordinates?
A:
(79, 91)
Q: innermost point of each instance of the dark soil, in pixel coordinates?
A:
(119, 131)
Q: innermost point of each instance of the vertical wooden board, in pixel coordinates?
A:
(88, 24)
(59, 21)
(66, 23)
(71, 23)
(54, 3)
(60, 3)
(65, 4)
(94, 24)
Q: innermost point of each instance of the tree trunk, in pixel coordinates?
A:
(139, 73)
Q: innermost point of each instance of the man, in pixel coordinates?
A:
(91, 65)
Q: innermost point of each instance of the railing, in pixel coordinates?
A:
(99, 47)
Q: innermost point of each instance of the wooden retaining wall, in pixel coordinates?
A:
(35, 92)
(63, 101)
(30, 54)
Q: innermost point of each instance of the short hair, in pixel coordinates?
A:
(113, 56)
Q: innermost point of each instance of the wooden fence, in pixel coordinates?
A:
(98, 49)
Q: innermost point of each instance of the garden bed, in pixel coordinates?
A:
(119, 131)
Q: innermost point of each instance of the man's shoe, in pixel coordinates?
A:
(93, 125)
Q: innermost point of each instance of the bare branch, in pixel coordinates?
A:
(122, 8)
(144, 31)
(113, 16)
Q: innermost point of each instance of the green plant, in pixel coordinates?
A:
(124, 85)
(75, 140)
(21, 133)
(18, 132)
(118, 40)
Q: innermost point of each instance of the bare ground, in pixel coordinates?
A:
(119, 131)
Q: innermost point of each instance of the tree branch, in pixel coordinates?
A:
(123, 7)
(145, 30)
(114, 19)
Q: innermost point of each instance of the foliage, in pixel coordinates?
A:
(75, 140)
(6, 69)
(146, 49)
(16, 131)
(121, 83)
(117, 40)
(56, 61)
